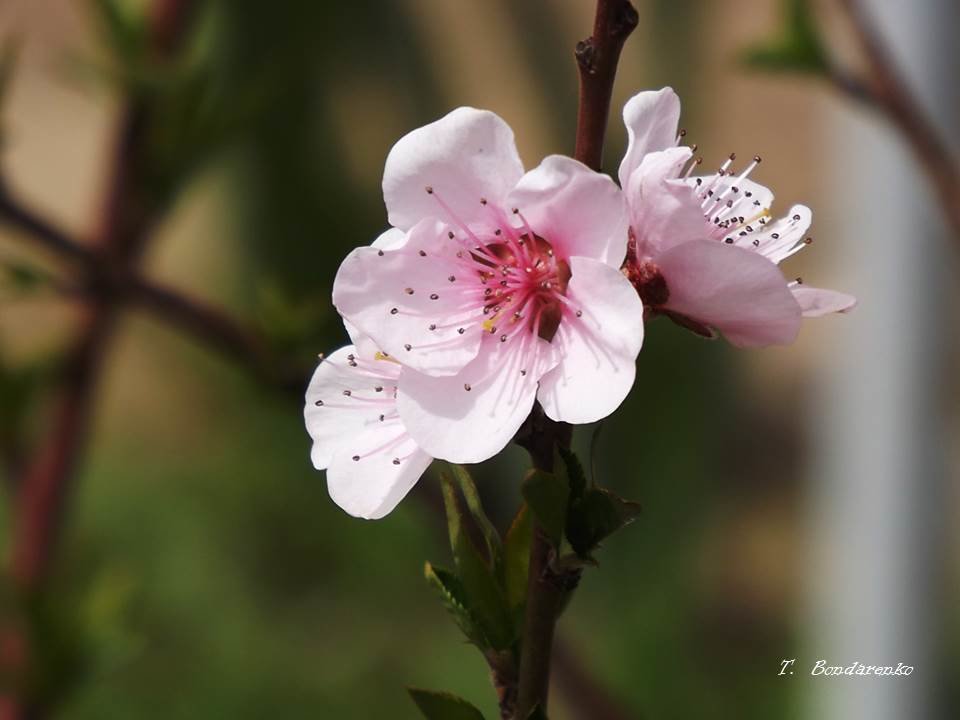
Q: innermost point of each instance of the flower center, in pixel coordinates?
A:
(525, 280)
(645, 276)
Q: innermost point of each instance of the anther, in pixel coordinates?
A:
(460, 331)
(394, 311)
(503, 338)
(429, 190)
(452, 278)
(432, 326)
(434, 296)
(348, 393)
(396, 461)
(382, 417)
(450, 235)
(466, 386)
(408, 347)
(380, 253)
(423, 253)
(378, 388)
(356, 458)
(319, 403)
(483, 201)
(408, 291)
(579, 313)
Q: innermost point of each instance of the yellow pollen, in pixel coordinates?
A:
(765, 213)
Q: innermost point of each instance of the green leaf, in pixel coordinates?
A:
(570, 470)
(595, 516)
(798, 48)
(547, 496)
(443, 706)
(455, 599)
(483, 594)
(516, 558)
(490, 535)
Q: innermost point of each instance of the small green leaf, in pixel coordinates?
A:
(455, 599)
(443, 706)
(595, 516)
(484, 595)
(516, 558)
(798, 48)
(547, 496)
(570, 470)
(490, 535)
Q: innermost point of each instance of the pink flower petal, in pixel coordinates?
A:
(664, 211)
(651, 118)
(472, 416)
(397, 296)
(735, 290)
(816, 302)
(578, 211)
(464, 156)
(598, 350)
(389, 466)
(337, 419)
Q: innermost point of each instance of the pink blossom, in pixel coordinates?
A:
(704, 250)
(494, 288)
(358, 436)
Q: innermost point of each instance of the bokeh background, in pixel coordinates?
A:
(798, 502)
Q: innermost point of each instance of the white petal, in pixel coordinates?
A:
(366, 347)
(816, 302)
(598, 350)
(464, 425)
(390, 239)
(372, 283)
(651, 118)
(340, 418)
(464, 156)
(373, 485)
(578, 211)
(789, 231)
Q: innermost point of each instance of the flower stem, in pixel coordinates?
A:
(547, 590)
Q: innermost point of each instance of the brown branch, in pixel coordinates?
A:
(547, 590)
(597, 58)
(209, 325)
(43, 484)
(40, 230)
(884, 88)
(216, 330)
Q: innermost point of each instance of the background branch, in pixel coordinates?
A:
(883, 88)
(42, 489)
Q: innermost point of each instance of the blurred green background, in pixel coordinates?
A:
(203, 571)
